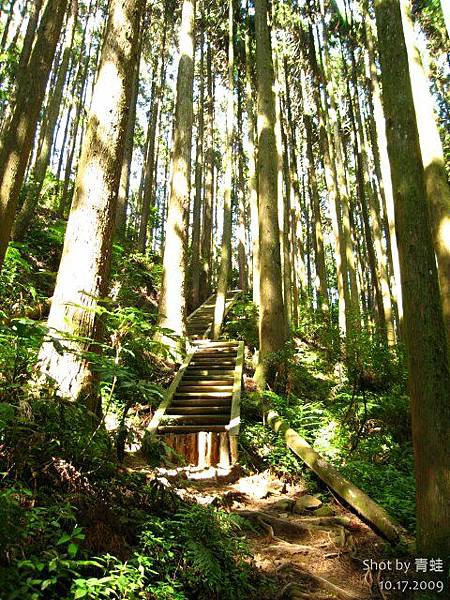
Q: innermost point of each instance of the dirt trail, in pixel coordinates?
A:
(304, 551)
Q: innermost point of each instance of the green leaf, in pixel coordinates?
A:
(64, 538)
(72, 550)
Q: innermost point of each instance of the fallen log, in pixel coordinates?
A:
(356, 498)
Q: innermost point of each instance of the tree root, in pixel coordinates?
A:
(295, 593)
(292, 547)
(326, 521)
(324, 583)
(275, 522)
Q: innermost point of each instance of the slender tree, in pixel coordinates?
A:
(429, 377)
(438, 189)
(272, 319)
(172, 301)
(44, 153)
(225, 256)
(84, 270)
(17, 136)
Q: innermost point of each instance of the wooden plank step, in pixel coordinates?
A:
(198, 419)
(215, 357)
(214, 365)
(198, 410)
(212, 360)
(216, 368)
(190, 428)
(201, 371)
(212, 353)
(206, 382)
(193, 387)
(212, 344)
(202, 395)
(202, 402)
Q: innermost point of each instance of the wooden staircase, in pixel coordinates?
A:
(200, 414)
(199, 323)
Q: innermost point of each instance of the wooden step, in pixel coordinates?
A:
(216, 368)
(202, 402)
(193, 387)
(206, 382)
(202, 394)
(190, 428)
(197, 419)
(216, 352)
(220, 350)
(223, 360)
(198, 410)
(201, 371)
(212, 344)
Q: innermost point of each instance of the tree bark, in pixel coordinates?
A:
(18, 133)
(385, 169)
(197, 209)
(148, 195)
(241, 194)
(272, 319)
(172, 301)
(84, 270)
(44, 153)
(252, 178)
(438, 189)
(428, 363)
(322, 287)
(225, 255)
(125, 174)
(206, 241)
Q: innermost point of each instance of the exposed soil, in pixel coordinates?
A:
(291, 550)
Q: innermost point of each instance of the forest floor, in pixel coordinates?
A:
(312, 553)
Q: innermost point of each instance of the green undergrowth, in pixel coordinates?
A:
(242, 322)
(73, 524)
(354, 411)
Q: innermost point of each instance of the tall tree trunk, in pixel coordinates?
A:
(5, 33)
(172, 301)
(148, 195)
(18, 133)
(125, 173)
(286, 237)
(241, 229)
(322, 288)
(387, 327)
(298, 263)
(84, 270)
(428, 360)
(271, 319)
(225, 255)
(30, 33)
(45, 147)
(206, 241)
(197, 209)
(252, 178)
(438, 190)
(380, 123)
